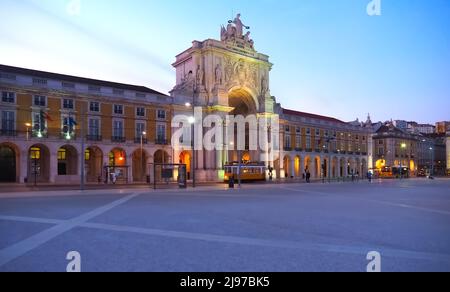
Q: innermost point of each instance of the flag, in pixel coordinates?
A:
(72, 122)
(45, 116)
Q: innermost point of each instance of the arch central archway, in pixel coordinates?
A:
(242, 101)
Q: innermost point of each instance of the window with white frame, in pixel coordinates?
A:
(161, 114)
(8, 121)
(40, 100)
(94, 106)
(140, 129)
(8, 97)
(287, 141)
(308, 142)
(298, 141)
(94, 127)
(118, 129)
(68, 103)
(140, 112)
(161, 132)
(39, 81)
(118, 109)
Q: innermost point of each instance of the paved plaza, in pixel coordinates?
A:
(282, 227)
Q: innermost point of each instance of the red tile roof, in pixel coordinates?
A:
(312, 116)
(75, 79)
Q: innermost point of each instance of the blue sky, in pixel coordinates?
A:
(329, 56)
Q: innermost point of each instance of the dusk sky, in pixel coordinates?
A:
(329, 56)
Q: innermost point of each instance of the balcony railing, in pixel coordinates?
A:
(287, 148)
(298, 149)
(39, 135)
(160, 141)
(118, 139)
(318, 150)
(308, 150)
(94, 138)
(137, 140)
(9, 133)
(65, 137)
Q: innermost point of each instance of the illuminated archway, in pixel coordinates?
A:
(117, 157)
(139, 165)
(318, 167)
(93, 157)
(67, 160)
(287, 166)
(38, 163)
(185, 158)
(297, 166)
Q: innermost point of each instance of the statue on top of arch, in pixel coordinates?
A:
(234, 32)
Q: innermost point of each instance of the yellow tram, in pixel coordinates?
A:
(251, 171)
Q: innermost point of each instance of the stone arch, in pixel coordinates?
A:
(161, 156)
(342, 167)
(357, 169)
(334, 167)
(298, 166)
(317, 167)
(350, 166)
(307, 164)
(186, 158)
(93, 157)
(10, 163)
(67, 159)
(38, 164)
(139, 165)
(364, 167)
(287, 165)
(117, 157)
(243, 100)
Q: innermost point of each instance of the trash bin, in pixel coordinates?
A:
(231, 182)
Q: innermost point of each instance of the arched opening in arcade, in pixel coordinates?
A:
(186, 158)
(140, 165)
(93, 157)
(117, 169)
(38, 164)
(9, 162)
(334, 167)
(287, 166)
(342, 167)
(67, 161)
(318, 167)
(297, 166)
(307, 164)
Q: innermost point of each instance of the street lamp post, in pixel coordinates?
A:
(194, 165)
(142, 155)
(28, 125)
(432, 161)
(403, 147)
